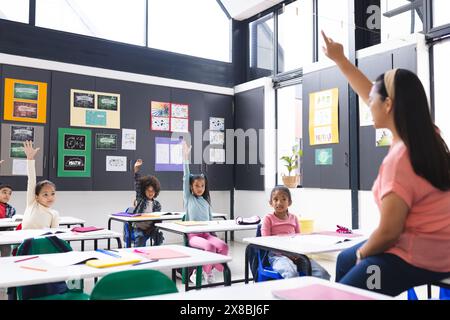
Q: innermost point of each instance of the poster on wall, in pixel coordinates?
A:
(216, 123)
(115, 163)
(106, 141)
(25, 101)
(128, 139)
(216, 137)
(168, 154)
(323, 157)
(94, 109)
(74, 152)
(166, 116)
(13, 136)
(383, 137)
(324, 117)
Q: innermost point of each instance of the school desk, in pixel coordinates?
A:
(63, 221)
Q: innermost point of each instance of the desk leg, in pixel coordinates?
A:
(130, 230)
(174, 276)
(109, 228)
(95, 244)
(198, 278)
(119, 243)
(82, 245)
(226, 274)
(247, 254)
(429, 291)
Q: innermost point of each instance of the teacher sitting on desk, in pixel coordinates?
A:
(411, 245)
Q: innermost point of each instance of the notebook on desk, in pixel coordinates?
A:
(160, 253)
(85, 229)
(126, 214)
(105, 263)
(317, 292)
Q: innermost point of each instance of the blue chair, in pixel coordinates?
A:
(444, 293)
(266, 272)
(128, 238)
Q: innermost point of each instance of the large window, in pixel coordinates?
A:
(400, 18)
(441, 80)
(15, 10)
(295, 35)
(261, 33)
(289, 124)
(333, 20)
(441, 12)
(116, 20)
(198, 28)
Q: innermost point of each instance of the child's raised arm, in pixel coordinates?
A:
(186, 172)
(31, 185)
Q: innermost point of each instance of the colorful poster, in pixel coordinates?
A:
(13, 136)
(74, 152)
(25, 101)
(160, 109)
(168, 154)
(383, 137)
(166, 116)
(324, 157)
(106, 141)
(128, 139)
(94, 109)
(216, 123)
(180, 110)
(114, 163)
(324, 117)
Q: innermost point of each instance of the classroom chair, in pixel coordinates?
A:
(48, 291)
(128, 238)
(265, 272)
(444, 293)
(132, 284)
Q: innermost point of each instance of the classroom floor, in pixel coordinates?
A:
(237, 251)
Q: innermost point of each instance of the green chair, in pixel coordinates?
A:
(48, 291)
(132, 284)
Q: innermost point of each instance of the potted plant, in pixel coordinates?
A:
(291, 163)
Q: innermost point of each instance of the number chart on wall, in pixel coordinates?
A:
(74, 152)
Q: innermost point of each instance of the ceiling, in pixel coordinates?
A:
(243, 9)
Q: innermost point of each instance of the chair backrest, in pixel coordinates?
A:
(132, 284)
(44, 245)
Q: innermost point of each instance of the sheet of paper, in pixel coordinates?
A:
(19, 167)
(176, 154)
(114, 163)
(129, 139)
(70, 258)
(162, 153)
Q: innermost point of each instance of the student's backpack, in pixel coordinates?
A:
(43, 245)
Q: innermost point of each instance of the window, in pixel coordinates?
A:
(198, 28)
(295, 32)
(261, 34)
(289, 124)
(400, 18)
(17, 10)
(116, 20)
(441, 12)
(333, 20)
(441, 80)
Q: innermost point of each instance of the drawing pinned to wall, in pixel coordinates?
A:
(216, 123)
(22, 133)
(160, 124)
(324, 117)
(25, 101)
(216, 137)
(365, 116)
(94, 109)
(106, 141)
(115, 163)
(324, 157)
(74, 152)
(180, 110)
(83, 99)
(12, 138)
(168, 154)
(217, 155)
(179, 125)
(383, 138)
(160, 109)
(128, 139)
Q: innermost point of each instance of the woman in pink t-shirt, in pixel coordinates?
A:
(282, 222)
(411, 245)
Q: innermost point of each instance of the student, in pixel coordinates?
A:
(6, 211)
(283, 222)
(40, 197)
(411, 244)
(197, 204)
(147, 189)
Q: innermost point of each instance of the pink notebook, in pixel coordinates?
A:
(337, 234)
(317, 292)
(161, 253)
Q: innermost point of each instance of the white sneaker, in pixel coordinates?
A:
(193, 276)
(210, 277)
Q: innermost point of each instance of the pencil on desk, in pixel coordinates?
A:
(25, 259)
(33, 268)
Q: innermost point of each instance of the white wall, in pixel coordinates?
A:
(94, 206)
